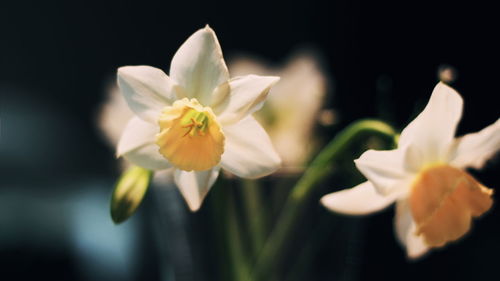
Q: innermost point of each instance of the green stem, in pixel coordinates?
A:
(240, 265)
(254, 214)
(316, 171)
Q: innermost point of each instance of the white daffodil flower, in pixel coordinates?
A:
(196, 120)
(425, 176)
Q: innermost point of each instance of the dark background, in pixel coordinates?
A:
(57, 58)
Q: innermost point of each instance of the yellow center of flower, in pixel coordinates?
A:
(443, 202)
(190, 137)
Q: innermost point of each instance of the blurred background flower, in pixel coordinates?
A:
(113, 115)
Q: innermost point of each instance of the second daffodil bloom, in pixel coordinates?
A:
(436, 198)
(196, 120)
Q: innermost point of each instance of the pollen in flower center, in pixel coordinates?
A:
(195, 123)
(443, 202)
(190, 137)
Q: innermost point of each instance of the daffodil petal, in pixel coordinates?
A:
(248, 94)
(360, 200)
(406, 229)
(434, 128)
(147, 90)
(164, 178)
(473, 150)
(195, 185)
(137, 145)
(384, 169)
(198, 65)
(249, 152)
(147, 156)
(136, 133)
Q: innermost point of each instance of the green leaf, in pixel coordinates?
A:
(129, 192)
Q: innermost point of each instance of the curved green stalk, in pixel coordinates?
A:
(316, 172)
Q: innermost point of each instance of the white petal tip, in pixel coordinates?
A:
(194, 186)
(207, 30)
(326, 202)
(272, 80)
(275, 78)
(416, 256)
(193, 204)
(270, 170)
(441, 83)
(359, 200)
(194, 207)
(330, 202)
(124, 70)
(131, 69)
(443, 88)
(277, 161)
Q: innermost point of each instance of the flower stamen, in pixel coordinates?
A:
(193, 125)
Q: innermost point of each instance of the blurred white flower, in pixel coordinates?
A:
(293, 108)
(113, 115)
(435, 197)
(196, 120)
